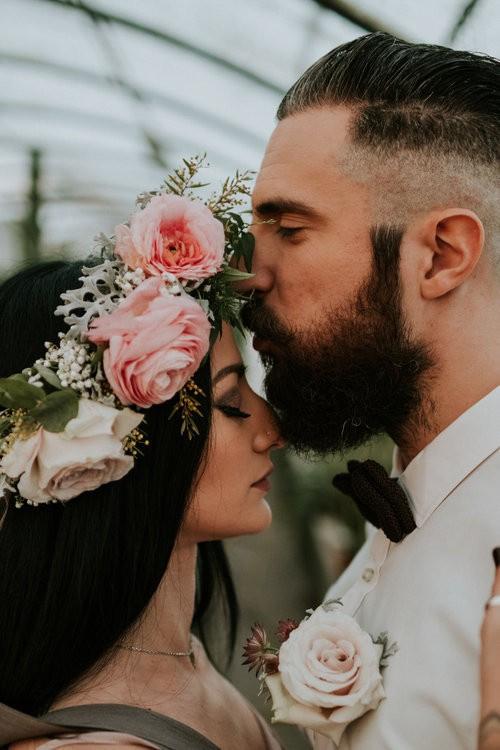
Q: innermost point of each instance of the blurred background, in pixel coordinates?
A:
(99, 99)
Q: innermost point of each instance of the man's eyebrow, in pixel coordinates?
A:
(277, 206)
(238, 368)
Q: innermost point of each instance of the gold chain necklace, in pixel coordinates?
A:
(140, 650)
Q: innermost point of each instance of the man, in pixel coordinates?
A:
(376, 309)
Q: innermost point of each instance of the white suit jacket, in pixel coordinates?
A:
(429, 592)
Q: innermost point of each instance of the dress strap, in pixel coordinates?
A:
(167, 733)
(16, 725)
(160, 730)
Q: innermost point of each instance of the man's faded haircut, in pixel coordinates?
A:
(436, 108)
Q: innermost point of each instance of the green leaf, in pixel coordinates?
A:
(97, 355)
(56, 410)
(247, 247)
(5, 423)
(49, 376)
(236, 218)
(17, 393)
(233, 274)
(215, 332)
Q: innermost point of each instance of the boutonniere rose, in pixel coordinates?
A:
(326, 673)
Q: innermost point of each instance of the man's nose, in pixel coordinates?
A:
(261, 281)
(263, 278)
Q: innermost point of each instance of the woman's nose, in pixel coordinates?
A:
(277, 440)
(269, 439)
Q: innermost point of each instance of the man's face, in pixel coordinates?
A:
(317, 251)
(342, 363)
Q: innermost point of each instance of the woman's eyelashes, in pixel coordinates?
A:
(233, 411)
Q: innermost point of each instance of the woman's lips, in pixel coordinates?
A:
(264, 484)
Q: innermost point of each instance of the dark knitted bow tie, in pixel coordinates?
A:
(380, 498)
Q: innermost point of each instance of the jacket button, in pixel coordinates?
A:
(368, 574)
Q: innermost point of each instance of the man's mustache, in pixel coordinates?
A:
(264, 323)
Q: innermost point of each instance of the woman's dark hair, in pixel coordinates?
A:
(75, 578)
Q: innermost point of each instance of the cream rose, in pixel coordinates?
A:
(87, 454)
(329, 674)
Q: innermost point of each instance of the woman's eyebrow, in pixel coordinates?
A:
(238, 368)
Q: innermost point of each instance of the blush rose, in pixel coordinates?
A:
(172, 234)
(329, 674)
(87, 454)
(156, 342)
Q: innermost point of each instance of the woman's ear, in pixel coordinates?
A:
(454, 240)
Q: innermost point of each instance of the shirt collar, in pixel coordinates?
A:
(451, 456)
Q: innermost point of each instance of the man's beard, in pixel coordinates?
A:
(353, 375)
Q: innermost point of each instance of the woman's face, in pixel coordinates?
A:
(230, 497)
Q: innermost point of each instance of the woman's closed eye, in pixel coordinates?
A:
(229, 402)
(233, 411)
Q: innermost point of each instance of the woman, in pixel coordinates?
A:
(489, 730)
(103, 591)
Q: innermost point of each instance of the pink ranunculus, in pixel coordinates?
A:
(174, 234)
(156, 342)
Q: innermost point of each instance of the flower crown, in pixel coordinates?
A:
(152, 301)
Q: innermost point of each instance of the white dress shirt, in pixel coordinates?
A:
(429, 591)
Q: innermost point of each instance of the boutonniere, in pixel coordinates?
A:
(325, 673)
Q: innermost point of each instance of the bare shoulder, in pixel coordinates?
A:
(27, 744)
(69, 745)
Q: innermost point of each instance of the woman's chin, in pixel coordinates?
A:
(249, 523)
(263, 519)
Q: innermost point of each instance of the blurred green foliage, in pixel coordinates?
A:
(307, 487)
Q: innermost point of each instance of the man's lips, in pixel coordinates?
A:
(262, 345)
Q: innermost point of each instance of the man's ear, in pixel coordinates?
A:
(454, 240)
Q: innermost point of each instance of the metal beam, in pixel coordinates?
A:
(463, 19)
(96, 14)
(218, 123)
(360, 18)
(157, 150)
(30, 224)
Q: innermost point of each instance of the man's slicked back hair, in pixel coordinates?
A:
(408, 96)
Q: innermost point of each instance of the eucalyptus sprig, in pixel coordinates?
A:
(27, 406)
(234, 192)
(179, 182)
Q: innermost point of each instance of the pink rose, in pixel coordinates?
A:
(86, 455)
(174, 234)
(156, 342)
